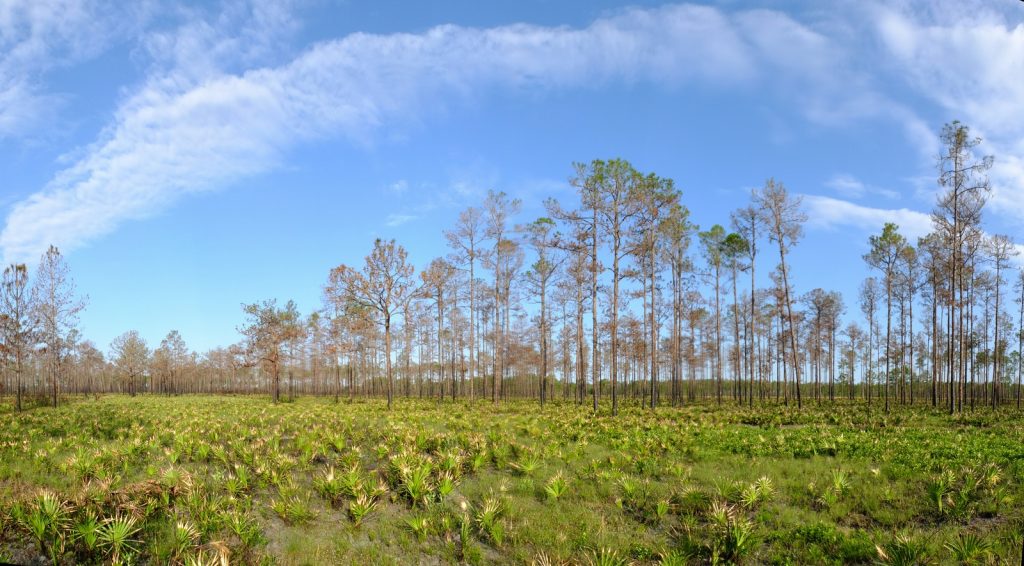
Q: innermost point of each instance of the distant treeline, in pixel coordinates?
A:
(618, 289)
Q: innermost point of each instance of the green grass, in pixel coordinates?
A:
(191, 479)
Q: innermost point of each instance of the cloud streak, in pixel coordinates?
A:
(178, 136)
(222, 105)
(398, 219)
(849, 186)
(829, 213)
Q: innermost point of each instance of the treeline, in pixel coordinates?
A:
(616, 296)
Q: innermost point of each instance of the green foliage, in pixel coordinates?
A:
(116, 538)
(969, 548)
(960, 495)
(757, 493)
(732, 534)
(904, 550)
(556, 486)
(293, 507)
(527, 465)
(187, 480)
(488, 517)
(87, 533)
(45, 519)
(606, 557)
(419, 525)
(332, 486)
(415, 483)
(185, 537)
(360, 507)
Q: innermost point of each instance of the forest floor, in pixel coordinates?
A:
(191, 480)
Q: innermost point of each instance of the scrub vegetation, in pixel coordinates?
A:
(208, 479)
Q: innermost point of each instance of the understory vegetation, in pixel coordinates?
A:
(209, 480)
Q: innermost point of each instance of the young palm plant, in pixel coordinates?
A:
(87, 532)
(419, 525)
(329, 485)
(556, 486)
(115, 537)
(969, 548)
(903, 550)
(606, 557)
(527, 465)
(186, 536)
(733, 534)
(489, 516)
(46, 520)
(360, 507)
(415, 483)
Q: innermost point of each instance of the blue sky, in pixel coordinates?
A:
(189, 157)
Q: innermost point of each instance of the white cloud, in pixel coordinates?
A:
(850, 187)
(846, 185)
(23, 108)
(202, 121)
(241, 35)
(829, 213)
(37, 36)
(399, 187)
(967, 58)
(398, 219)
(185, 132)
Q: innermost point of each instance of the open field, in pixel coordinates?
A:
(190, 479)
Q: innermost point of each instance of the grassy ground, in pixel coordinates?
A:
(193, 479)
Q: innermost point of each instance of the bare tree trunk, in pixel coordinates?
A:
(614, 327)
(387, 356)
(472, 322)
(593, 309)
(497, 339)
(753, 319)
(934, 343)
(736, 334)
(654, 331)
(1020, 344)
(792, 329)
(995, 349)
(543, 343)
(440, 348)
(888, 336)
(275, 381)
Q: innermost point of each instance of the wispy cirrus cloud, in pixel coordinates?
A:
(398, 219)
(850, 187)
(967, 58)
(177, 136)
(847, 186)
(222, 104)
(37, 36)
(399, 187)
